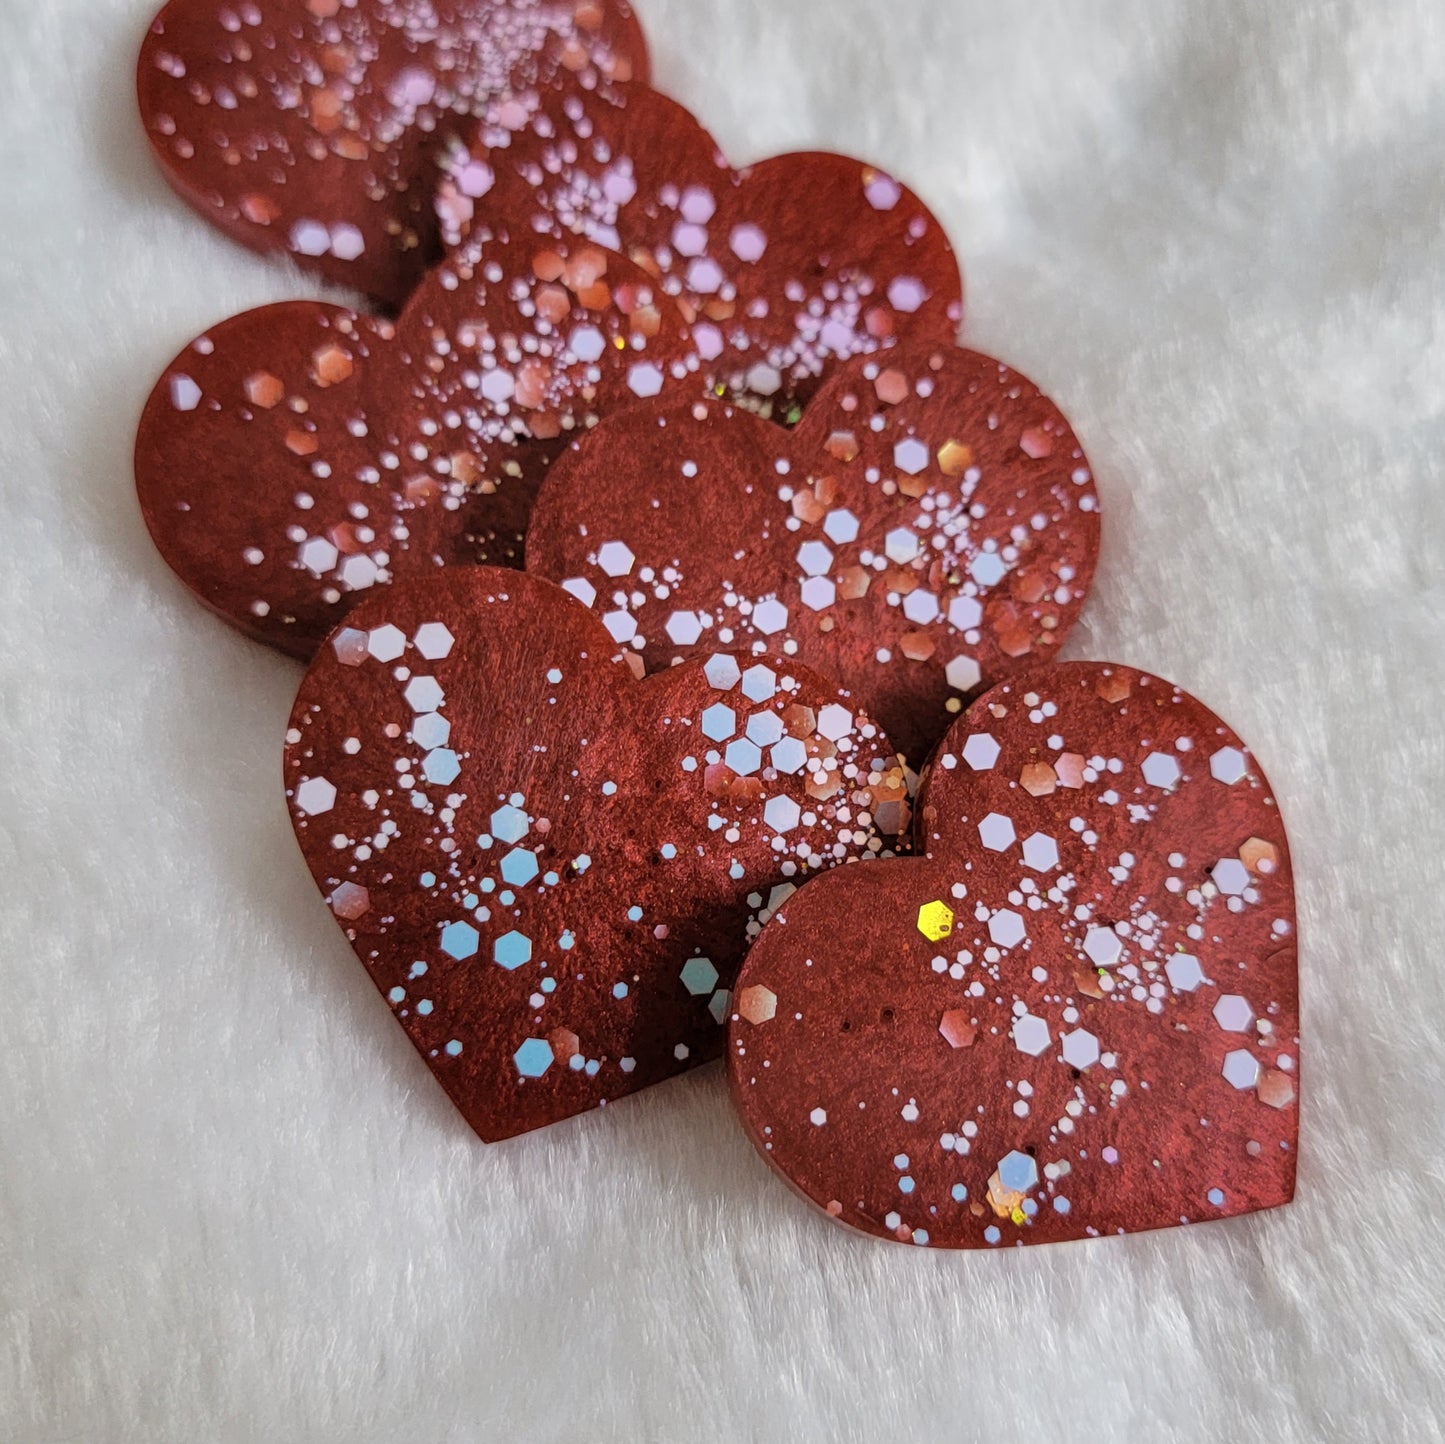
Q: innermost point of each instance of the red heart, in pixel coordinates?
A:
(789, 267)
(1078, 1015)
(298, 455)
(930, 527)
(311, 127)
(550, 868)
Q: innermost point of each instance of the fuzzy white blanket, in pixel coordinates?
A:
(234, 1206)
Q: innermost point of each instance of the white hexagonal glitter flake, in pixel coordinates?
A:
(910, 456)
(587, 344)
(840, 526)
(1230, 876)
(719, 722)
(980, 752)
(386, 643)
(743, 757)
(815, 558)
(818, 594)
(1031, 1035)
(1103, 946)
(582, 589)
(1006, 928)
(760, 684)
(1081, 1049)
(509, 824)
(357, 573)
(962, 674)
(519, 867)
(318, 555)
(315, 796)
(770, 616)
(764, 728)
(987, 569)
(1241, 1070)
(1018, 1172)
(699, 976)
(684, 628)
(645, 379)
(424, 694)
(782, 814)
(621, 626)
(1228, 765)
(996, 832)
(185, 394)
(498, 385)
(434, 641)
(441, 766)
(834, 722)
(789, 756)
(615, 558)
(430, 731)
(901, 545)
(965, 613)
(1184, 972)
(818, 1117)
(460, 941)
(722, 672)
(533, 1058)
(705, 277)
(1041, 852)
(920, 607)
(1233, 1013)
(1161, 769)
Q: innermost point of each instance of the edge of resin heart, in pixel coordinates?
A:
(304, 127)
(931, 527)
(1077, 1015)
(550, 868)
(295, 457)
(788, 267)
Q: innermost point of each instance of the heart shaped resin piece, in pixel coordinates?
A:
(549, 868)
(1075, 1014)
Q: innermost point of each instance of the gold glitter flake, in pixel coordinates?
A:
(954, 458)
(935, 920)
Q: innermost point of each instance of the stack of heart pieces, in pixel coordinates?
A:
(682, 608)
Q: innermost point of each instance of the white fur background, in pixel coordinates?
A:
(233, 1205)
